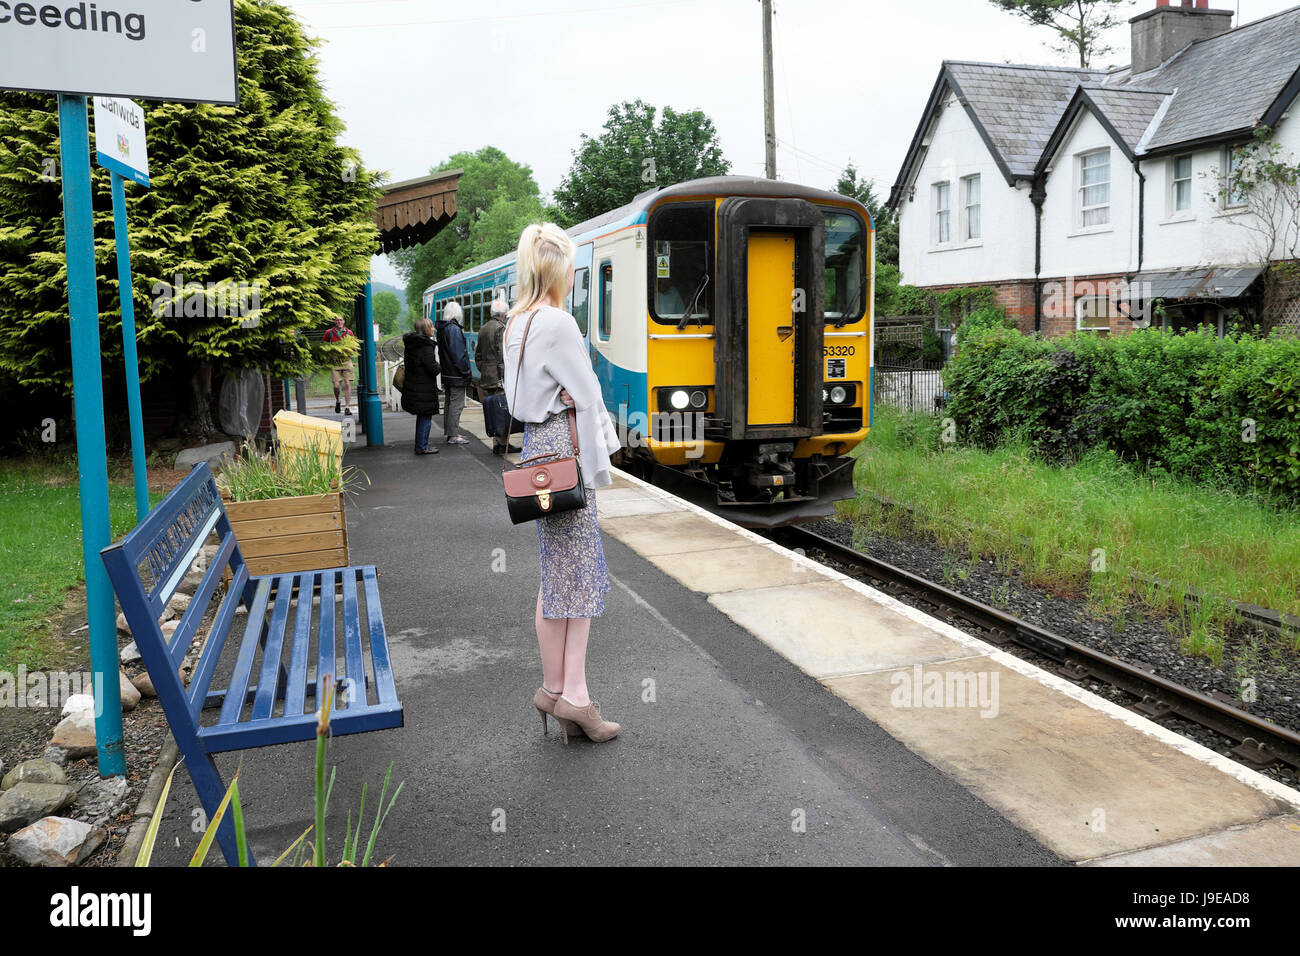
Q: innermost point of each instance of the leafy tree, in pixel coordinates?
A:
(1079, 24)
(634, 154)
(387, 307)
(256, 205)
(886, 223)
(495, 198)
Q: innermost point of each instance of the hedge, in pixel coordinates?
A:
(1225, 411)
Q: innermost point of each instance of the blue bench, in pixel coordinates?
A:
(271, 684)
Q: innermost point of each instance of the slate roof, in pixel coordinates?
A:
(1129, 112)
(1213, 88)
(1018, 106)
(1225, 84)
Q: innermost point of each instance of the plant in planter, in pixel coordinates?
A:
(286, 507)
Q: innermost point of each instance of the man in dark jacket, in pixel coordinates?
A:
(420, 390)
(455, 370)
(490, 358)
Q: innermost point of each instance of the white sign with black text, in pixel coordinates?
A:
(120, 140)
(179, 50)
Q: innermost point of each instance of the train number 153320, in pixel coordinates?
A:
(839, 350)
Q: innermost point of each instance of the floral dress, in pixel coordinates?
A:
(574, 575)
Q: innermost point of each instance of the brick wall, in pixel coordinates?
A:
(1060, 295)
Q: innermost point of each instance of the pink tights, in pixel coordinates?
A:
(563, 642)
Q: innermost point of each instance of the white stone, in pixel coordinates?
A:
(212, 454)
(56, 841)
(79, 702)
(76, 734)
(130, 654)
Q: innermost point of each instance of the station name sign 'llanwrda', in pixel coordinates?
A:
(179, 50)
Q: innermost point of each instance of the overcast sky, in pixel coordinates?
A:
(418, 80)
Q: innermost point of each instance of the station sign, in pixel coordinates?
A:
(175, 50)
(119, 138)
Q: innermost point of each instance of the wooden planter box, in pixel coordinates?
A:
(291, 534)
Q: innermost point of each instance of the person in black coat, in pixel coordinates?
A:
(456, 375)
(420, 390)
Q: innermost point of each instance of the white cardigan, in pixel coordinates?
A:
(557, 359)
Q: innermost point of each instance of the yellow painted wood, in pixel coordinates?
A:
(771, 328)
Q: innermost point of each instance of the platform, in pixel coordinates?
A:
(759, 695)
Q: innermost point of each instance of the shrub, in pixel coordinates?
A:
(1223, 411)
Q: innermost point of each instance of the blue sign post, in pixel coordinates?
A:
(120, 148)
(88, 406)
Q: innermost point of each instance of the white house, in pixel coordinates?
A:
(1083, 196)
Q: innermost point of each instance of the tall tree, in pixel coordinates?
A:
(387, 307)
(884, 218)
(633, 154)
(1079, 24)
(258, 226)
(495, 198)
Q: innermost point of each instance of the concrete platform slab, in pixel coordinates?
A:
(732, 569)
(671, 534)
(626, 501)
(1064, 771)
(1271, 842)
(830, 631)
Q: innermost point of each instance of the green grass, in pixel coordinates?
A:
(40, 548)
(1055, 523)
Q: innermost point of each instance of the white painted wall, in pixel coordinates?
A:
(1006, 249)
(1069, 249)
(1206, 234)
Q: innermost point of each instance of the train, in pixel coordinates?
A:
(729, 322)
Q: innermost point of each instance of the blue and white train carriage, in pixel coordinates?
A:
(729, 323)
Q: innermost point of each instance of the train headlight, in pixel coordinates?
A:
(680, 399)
(838, 394)
(699, 398)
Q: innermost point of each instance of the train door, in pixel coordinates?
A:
(769, 361)
(770, 335)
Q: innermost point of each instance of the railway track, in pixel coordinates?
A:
(1258, 743)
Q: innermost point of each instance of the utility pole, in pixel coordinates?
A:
(769, 109)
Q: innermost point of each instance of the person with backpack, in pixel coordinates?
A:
(489, 358)
(420, 387)
(456, 378)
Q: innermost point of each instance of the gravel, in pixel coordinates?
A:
(1137, 636)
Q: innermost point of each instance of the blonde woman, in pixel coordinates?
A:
(556, 375)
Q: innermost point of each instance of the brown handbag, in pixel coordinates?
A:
(536, 490)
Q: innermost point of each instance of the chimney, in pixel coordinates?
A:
(1160, 33)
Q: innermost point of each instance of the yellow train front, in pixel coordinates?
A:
(729, 322)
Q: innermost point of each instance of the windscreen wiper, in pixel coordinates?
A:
(852, 307)
(695, 298)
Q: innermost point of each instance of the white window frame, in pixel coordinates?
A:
(1078, 313)
(942, 214)
(1080, 210)
(1175, 179)
(1229, 201)
(966, 183)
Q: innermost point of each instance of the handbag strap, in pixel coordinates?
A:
(519, 365)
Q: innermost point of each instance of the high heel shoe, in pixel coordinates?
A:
(596, 727)
(545, 704)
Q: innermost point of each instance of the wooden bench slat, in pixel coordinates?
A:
(384, 682)
(355, 660)
(270, 679)
(221, 627)
(234, 701)
(325, 666)
(296, 695)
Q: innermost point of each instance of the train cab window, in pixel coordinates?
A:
(606, 300)
(579, 310)
(846, 268)
(681, 264)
